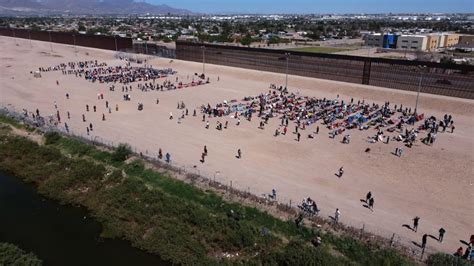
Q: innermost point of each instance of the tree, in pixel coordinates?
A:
(447, 60)
(247, 40)
(81, 27)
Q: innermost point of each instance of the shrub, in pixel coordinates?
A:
(442, 259)
(51, 138)
(12, 255)
(121, 153)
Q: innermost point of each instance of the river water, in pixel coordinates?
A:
(59, 235)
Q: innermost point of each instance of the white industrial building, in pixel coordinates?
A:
(374, 39)
(412, 42)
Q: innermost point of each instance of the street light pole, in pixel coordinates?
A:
(203, 59)
(419, 87)
(287, 55)
(29, 36)
(75, 48)
(14, 36)
(50, 41)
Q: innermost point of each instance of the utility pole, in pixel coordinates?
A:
(116, 47)
(422, 68)
(287, 56)
(50, 40)
(203, 59)
(29, 36)
(75, 48)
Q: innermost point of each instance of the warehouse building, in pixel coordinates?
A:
(412, 42)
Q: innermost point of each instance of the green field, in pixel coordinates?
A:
(322, 49)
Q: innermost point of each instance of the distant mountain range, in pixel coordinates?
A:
(84, 7)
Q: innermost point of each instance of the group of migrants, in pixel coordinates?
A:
(337, 115)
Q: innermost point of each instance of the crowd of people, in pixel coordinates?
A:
(306, 114)
(73, 67)
(338, 116)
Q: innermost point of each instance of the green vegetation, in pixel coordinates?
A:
(12, 255)
(10, 121)
(178, 221)
(321, 49)
(121, 153)
(442, 259)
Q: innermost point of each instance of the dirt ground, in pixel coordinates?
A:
(432, 182)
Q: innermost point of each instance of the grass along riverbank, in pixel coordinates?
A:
(13, 255)
(162, 215)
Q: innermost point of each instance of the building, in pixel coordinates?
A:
(374, 39)
(389, 41)
(466, 41)
(451, 39)
(412, 42)
(433, 41)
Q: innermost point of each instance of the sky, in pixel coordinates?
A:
(321, 6)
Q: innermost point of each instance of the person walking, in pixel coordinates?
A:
(239, 154)
(95, 108)
(368, 196)
(337, 215)
(441, 231)
(68, 115)
(341, 171)
(160, 154)
(83, 118)
(298, 136)
(103, 117)
(205, 150)
(168, 157)
(87, 107)
(416, 221)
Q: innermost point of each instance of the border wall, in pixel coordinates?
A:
(154, 49)
(442, 79)
(94, 41)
